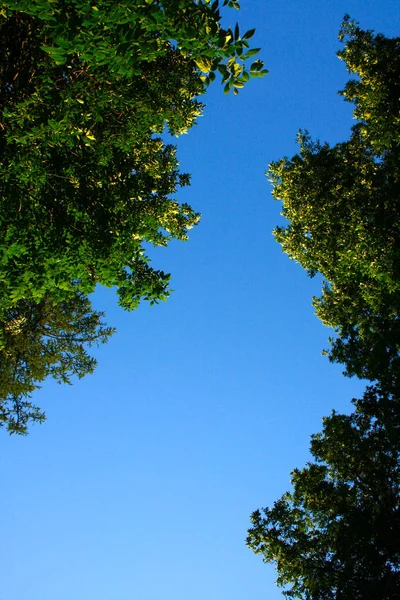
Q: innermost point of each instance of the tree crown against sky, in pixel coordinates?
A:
(86, 180)
(41, 340)
(342, 204)
(336, 535)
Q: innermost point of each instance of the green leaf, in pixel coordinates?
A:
(248, 34)
(256, 66)
(250, 53)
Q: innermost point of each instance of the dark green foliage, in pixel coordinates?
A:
(86, 90)
(343, 208)
(85, 181)
(336, 535)
(44, 340)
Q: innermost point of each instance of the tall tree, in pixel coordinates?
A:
(343, 208)
(86, 89)
(44, 340)
(336, 535)
(86, 182)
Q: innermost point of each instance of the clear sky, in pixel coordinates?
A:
(140, 484)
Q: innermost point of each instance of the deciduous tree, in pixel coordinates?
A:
(86, 89)
(343, 208)
(86, 180)
(336, 535)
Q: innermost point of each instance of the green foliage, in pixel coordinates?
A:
(85, 179)
(343, 208)
(44, 340)
(336, 535)
(375, 60)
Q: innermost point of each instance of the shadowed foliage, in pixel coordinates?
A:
(336, 535)
(44, 340)
(343, 208)
(86, 180)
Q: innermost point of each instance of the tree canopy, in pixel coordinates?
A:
(336, 535)
(41, 340)
(342, 204)
(85, 178)
(87, 183)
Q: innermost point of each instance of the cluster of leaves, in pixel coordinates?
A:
(336, 535)
(375, 60)
(343, 208)
(86, 181)
(40, 340)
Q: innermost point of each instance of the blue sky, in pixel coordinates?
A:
(140, 484)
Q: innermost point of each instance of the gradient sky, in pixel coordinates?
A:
(140, 484)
